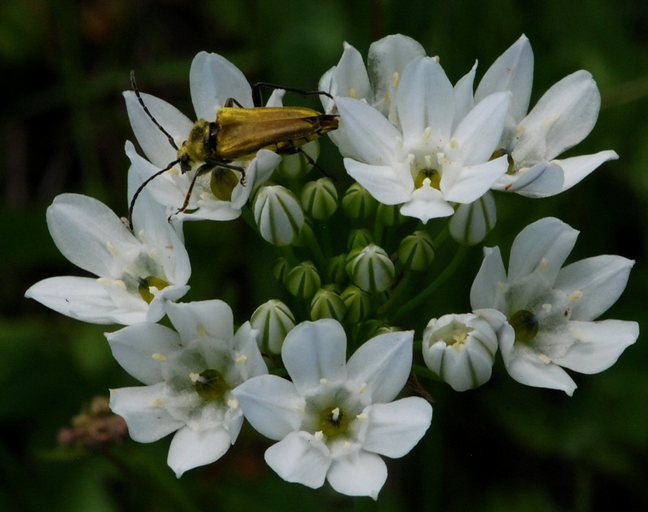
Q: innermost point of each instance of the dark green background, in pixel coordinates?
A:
(503, 447)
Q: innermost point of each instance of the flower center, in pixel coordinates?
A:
(334, 422)
(145, 285)
(525, 324)
(210, 385)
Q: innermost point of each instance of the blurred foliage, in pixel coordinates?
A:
(503, 447)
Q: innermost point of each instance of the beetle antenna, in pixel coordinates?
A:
(258, 97)
(148, 112)
(141, 187)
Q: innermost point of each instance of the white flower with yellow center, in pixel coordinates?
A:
(189, 376)
(423, 162)
(336, 418)
(551, 310)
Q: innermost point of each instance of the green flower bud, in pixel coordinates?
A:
(303, 280)
(336, 269)
(357, 203)
(371, 269)
(278, 215)
(389, 214)
(472, 222)
(295, 165)
(359, 238)
(320, 198)
(280, 269)
(273, 320)
(416, 251)
(357, 302)
(327, 304)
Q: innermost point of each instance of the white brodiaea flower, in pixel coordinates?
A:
(562, 118)
(426, 164)
(137, 272)
(550, 310)
(189, 377)
(213, 80)
(335, 419)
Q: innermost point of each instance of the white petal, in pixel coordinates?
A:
(213, 80)
(425, 99)
(141, 349)
(542, 246)
(427, 203)
(512, 71)
(190, 449)
(86, 299)
(271, 405)
(349, 76)
(371, 137)
(143, 409)
(361, 474)
(313, 351)
(542, 180)
(383, 182)
(396, 427)
(599, 344)
(563, 117)
(472, 222)
(300, 458)
(479, 132)
(383, 364)
(467, 184)
(152, 140)
(485, 291)
(193, 320)
(90, 235)
(594, 284)
(578, 167)
(245, 344)
(463, 93)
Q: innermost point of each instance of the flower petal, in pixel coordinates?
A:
(396, 427)
(463, 94)
(271, 405)
(427, 203)
(512, 71)
(213, 318)
(485, 291)
(578, 167)
(213, 80)
(383, 182)
(594, 284)
(542, 180)
(300, 458)
(599, 344)
(467, 184)
(142, 349)
(313, 351)
(361, 474)
(190, 449)
(142, 408)
(382, 364)
(349, 77)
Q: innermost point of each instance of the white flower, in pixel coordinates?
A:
(460, 349)
(335, 419)
(189, 377)
(278, 215)
(550, 310)
(213, 81)
(137, 272)
(562, 118)
(426, 164)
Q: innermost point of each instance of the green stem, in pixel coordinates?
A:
(314, 247)
(434, 285)
(395, 295)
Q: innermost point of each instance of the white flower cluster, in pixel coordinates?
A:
(418, 148)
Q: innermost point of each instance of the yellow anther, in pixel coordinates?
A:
(353, 93)
(319, 435)
(362, 416)
(575, 295)
(427, 133)
(157, 402)
(395, 79)
(242, 359)
(544, 358)
(362, 387)
(195, 377)
(233, 403)
(159, 357)
(200, 330)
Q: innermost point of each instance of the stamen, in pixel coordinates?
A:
(159, 357)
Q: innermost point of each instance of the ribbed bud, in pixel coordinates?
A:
(416, 251)
(278, 214)
(389, 214)
(295, 165)
(472, 222)
(371, 269)
(273, 320)
(280, 269)
(327, 304)
(303, 280)
(336, 269)
(359, 238)
(460, 349)
(357, 203)
(357, 302)
(320, 198)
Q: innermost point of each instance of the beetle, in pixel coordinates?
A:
(236, 134)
